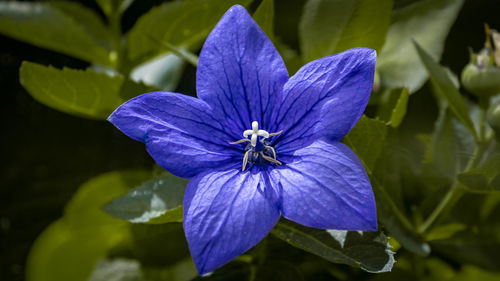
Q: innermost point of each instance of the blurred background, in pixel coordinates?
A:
(47, 154)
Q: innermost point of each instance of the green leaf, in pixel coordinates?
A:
(163, 72)
(446, 88)
(156, 201)
(332, 26)
(427, 22)
(180, 23)
(291, 57)
(445, 231)
(443, 157)
(485, 178)
(83, 93)
(264, 16)
(110, 6)
(117, 270)
(367, 140)
(49, 26)
(121, 269)
(475, 245)
(87, 19)
(468, 272)
(368, 250)
(399, 111)
(479, 242)
(69, 248)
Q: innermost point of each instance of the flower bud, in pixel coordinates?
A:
(482, 75)
(494, 118)
(482, 81)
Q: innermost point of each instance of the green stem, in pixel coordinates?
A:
(181, 53)
(483, 116)
(116, 33)
(259, 257)
(456, 192)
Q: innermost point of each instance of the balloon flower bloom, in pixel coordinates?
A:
(257, 144)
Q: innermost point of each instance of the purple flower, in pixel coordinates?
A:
(290, 161)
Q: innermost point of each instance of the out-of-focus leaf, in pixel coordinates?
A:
(446, 88)
(117, 270)
(56, 27)
(156, 201)
(468, 273)
(368, 250)
(110, 6)
(87, 19)
(445, 231)
(332, 26)
(366, 139)
(84, 93)
(120, 269)
(157, 245)
(163, 72)
(69, 248)
(183, 270)
(442, 160)
(399, 111)
(235, 270)
(427, 22)
(264, 16)
(485, 178)
(79, 92)
(291, 57)
(471, 246)
(180, 23)
(479, 242)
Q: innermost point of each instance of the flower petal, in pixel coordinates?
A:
(226, 213)
(179, 131)
(240, 74)
(326, 98)
(326, 186)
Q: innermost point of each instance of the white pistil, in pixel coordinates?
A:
(254, 134)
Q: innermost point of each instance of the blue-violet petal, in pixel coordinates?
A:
(326, 186)
(226, 213)
(240, 74)
(326, 98)
(179, 131)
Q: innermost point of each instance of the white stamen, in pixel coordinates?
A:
(255, 133)
(253, 140)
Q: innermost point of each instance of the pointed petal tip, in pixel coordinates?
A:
(237, 9)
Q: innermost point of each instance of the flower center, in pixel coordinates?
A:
(258, 152)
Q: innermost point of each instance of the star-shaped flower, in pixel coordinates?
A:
(290, 161)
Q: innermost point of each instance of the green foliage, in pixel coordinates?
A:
(114, 6)
(264, 16)
(367, 139)
(172, 22)
(330, 27)
(399, 111)
(85, 93)
(427, 22)
(446, 89)
(484, 178)
(156, 201)
(367, 131)
(64, 27)
(369, 250)
(433, 165)
(69, 248)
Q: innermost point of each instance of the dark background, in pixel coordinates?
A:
(46, 154)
